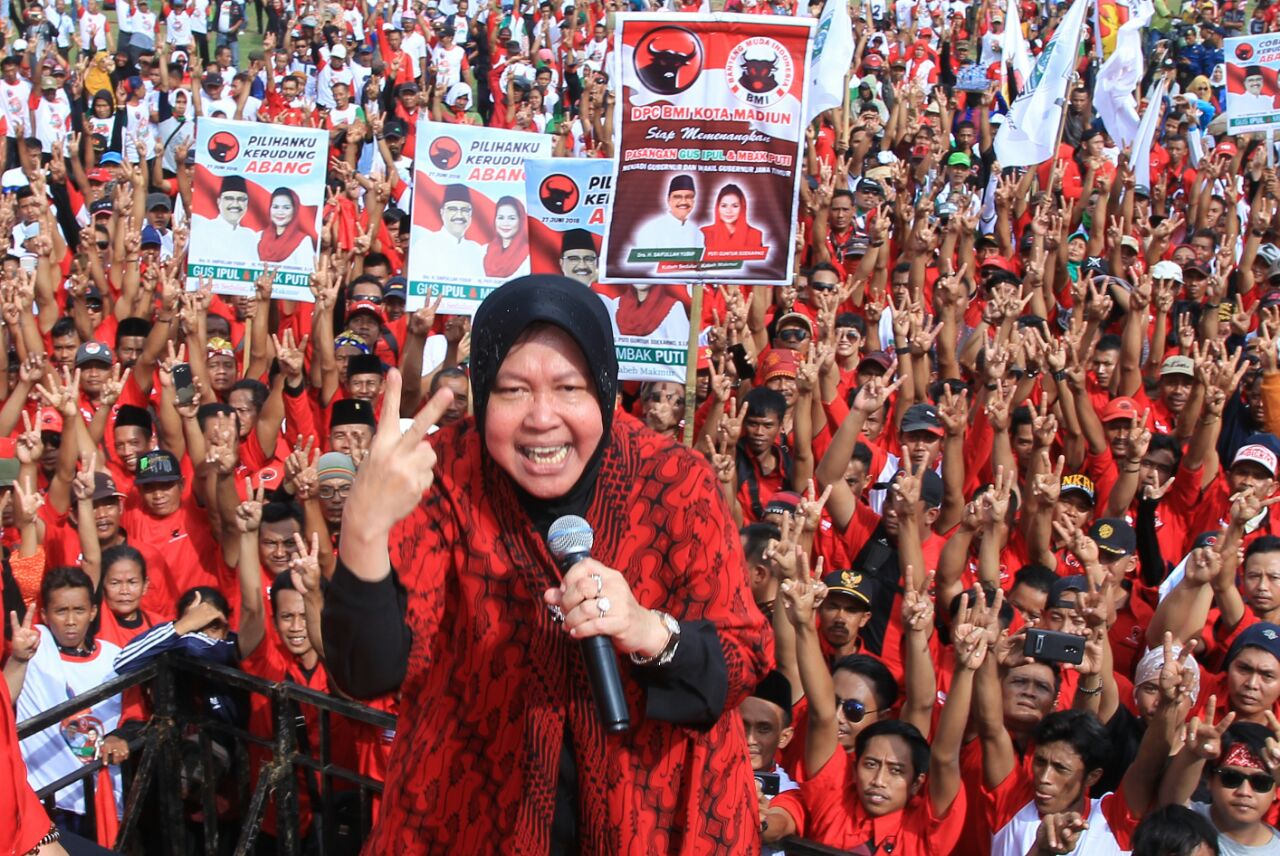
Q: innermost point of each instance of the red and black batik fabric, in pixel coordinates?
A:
(493, 682)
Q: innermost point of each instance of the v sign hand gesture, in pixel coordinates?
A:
(398, 470)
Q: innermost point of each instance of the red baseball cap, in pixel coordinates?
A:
(777, 362)
(1001, 263)
(365, 306)
(1123, 407)
(49, 419)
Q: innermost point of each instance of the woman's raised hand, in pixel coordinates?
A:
(398, 470)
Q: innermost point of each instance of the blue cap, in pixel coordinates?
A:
(151, 237)
(1264, 635)
(395, 287)
(110, 157)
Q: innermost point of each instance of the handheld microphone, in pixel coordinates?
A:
(569, 540)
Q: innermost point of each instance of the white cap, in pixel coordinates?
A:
(997, 119)
(1167, 270)
(19, 45)
(338, 52)
(1258, 454)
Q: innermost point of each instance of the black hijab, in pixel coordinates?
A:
(502, 319)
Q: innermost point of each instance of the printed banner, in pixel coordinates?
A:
(709, 140)
(1253, 93)
(256, 203)
(568, 202)
(469, 232)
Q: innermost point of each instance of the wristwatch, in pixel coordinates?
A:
(668, 653)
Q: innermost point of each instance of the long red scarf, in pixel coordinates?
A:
(273, 247)
(641, 319)
(500, 261)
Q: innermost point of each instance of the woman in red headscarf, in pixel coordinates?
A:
(508, 253)
(730, 236)
(286, 241)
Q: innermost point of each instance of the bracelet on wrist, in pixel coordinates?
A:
(1089, 692)
(1060, 375)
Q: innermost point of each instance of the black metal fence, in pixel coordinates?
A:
(186, 794)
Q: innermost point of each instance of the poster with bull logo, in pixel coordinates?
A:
(469, 232)
(709, 140)
(1253, 92)
(568, 201)
(256, 203)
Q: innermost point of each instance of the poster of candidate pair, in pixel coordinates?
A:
(709, 136)
(256, 203)
(469, 232)
(568, 201)
(1253, 92)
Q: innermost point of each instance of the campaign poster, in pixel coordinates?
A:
(709, 136)
(255, 204)
(568, 201)
(469, 231)
(1253, 93)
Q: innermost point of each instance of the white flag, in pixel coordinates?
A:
(1121, 74)
(1027, 136)
(1013, 46)
(832, 56)
(1144, 139)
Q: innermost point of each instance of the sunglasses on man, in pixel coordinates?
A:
(1261, 783)
(854, 710)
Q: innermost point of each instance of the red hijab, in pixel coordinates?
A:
(640, 319)
(719, 238)
(500, 261)
(276, 248)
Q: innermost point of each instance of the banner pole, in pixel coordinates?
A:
(1271, 147)
(248, 344)
(691, 364)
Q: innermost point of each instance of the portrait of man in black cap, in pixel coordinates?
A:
(451, 245)
(674, 228)
(236, 242)
(579, 258)
(1255, 98)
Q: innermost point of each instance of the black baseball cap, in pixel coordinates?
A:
(921, 417)
(931, 489)
(1114, 536)
(158, 467)
(1062, 585)
(858, 586)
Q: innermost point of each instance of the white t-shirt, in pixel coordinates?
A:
(53, 678)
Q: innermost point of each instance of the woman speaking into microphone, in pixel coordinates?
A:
(447, 591)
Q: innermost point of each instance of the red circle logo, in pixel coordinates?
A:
(558, 194)
(224, 147)
(1244, 52)
(445, 153)
(668, 60)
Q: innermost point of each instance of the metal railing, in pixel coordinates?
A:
(154, 779)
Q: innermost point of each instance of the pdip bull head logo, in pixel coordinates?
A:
(669, 60)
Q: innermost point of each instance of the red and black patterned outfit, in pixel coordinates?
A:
(492, 684)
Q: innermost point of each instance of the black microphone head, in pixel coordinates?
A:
(570, 535)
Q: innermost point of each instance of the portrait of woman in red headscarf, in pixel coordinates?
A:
(730, 236)
(507, 255)
(286, 240)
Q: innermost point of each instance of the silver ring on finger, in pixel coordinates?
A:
(603, 605)
(599, 581)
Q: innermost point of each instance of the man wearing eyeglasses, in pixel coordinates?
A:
(237, 243)
(1242, 791)
(579, 258)
(451, 245)
(794, 331)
